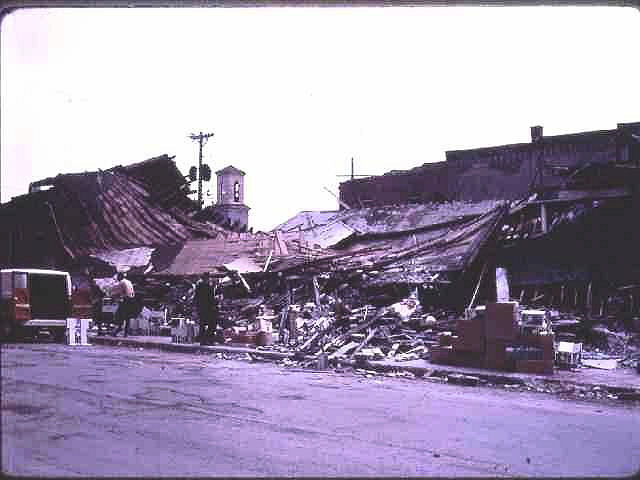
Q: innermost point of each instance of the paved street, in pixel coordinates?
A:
(105, 411)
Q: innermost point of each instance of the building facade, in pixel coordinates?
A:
(502, 172)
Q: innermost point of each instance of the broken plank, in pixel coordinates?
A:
(244, 282)
(393, 350)
(363, 325)
(366, 340)
(343, 350)
(309, 342)
(266, 265)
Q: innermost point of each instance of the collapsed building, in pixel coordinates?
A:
(573, 199)
(435, 248)
(568, 242)
(390, 274)
(73, 216)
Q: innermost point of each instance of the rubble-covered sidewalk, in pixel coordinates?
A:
(621, 385)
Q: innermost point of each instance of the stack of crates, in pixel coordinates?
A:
(501, 330)
(543, 361)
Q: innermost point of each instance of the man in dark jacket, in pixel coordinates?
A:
(207, 308)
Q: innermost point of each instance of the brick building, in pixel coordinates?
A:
(500, 172)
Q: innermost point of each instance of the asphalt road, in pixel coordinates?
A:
(104, 411)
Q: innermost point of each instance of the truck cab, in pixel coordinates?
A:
(32, 300)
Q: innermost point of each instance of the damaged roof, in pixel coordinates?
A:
(307, 219)
(415, 257)
(124, 260)
(91, 212)
(326, 229)
(239, 251)
(406, 244)
(406, 218)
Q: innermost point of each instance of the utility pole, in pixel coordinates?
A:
(353, 176)
(202, 139)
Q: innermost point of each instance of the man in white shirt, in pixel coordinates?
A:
(124, 289)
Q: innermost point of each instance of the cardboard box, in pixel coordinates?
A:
(466, 359)
(501, 321)
(496, 355)
(264, 338)
(544, 342)
(248, 338)
(441, 354)
(469, 343)
(471, 336)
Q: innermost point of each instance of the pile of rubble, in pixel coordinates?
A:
(400, 331)
(351, 324)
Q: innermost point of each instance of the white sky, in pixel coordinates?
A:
(293, 93)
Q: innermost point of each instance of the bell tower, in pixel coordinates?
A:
(230, 196)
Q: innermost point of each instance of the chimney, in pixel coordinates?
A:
(536, 134)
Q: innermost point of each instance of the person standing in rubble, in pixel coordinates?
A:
(124, 289)
(207, 308)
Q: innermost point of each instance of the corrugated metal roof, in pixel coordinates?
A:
(448, 248)
(95, 212)
(306, 220)
(404, 218)
(124, 260)
(199, 256)
(400, 256)
(327, 229)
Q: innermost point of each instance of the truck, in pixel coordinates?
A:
(33, 301)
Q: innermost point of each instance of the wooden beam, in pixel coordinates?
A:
(338, 198)
(543, 216)
(365, 341)
(266, 265)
